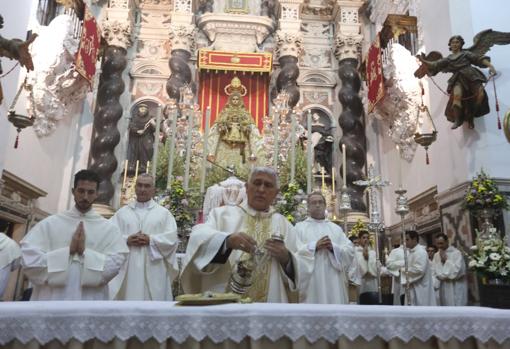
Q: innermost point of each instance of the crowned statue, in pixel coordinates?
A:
(234, 138)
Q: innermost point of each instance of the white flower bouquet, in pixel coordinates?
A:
(490, 257)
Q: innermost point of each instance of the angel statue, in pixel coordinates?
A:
(468, 98)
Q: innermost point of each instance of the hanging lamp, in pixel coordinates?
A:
(19, 121)
(426, 132)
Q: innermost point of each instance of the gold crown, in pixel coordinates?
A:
(235, 86)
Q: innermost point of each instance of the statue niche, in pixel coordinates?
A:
(322, 141)
(141, 136)
(234, 138)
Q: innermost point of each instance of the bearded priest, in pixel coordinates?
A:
(73, 255)
(331, 251)
(233, 235)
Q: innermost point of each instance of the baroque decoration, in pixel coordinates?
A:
(56, 86)
(398, 108)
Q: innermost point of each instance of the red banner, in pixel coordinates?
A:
(89, 47)
(235, 61)
(374, 75)
(212, 93)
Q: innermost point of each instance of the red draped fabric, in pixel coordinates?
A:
(374, 75)
(212, 93)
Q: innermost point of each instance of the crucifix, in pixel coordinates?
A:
(373, 184)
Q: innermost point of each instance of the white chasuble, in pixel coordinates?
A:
(206, 240)
(421, 289)
(58, 275)
(452, 277)
(327, 279)
(9, 260)
(149, 270)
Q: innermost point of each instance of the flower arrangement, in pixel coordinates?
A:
(290, 203)
(178, 202)
(490, 257)
(482, 193)
(359, 226)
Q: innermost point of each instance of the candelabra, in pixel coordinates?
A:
(345, 205)
(402, 209)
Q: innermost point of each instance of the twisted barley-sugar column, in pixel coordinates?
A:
(287, 78)
(180, 73)
(108, 112)
(353, 130)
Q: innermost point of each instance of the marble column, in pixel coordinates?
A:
(347, 50)
(116, 30)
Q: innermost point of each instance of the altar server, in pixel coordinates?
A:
(419, 273)
(73, 255)
(367, 261)
(332, 253)
(151, 234)
(450, 271)
(9, 260)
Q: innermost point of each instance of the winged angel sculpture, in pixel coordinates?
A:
(468, 98)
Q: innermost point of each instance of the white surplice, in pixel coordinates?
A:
(368, 270)
(9, 256)
(57, 275)
(327, 280)
(149, 270)
(394, 264)
(421, 289)
(206, 240)
(452, 277)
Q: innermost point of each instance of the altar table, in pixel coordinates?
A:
(123, 324)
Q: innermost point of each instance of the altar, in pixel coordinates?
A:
(110, 324)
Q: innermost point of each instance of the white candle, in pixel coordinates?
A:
(323, 180)
(309, 152)
(156, 142)
(292, 147)
(136, 169)
(399, 168)
(276, 133)
(333, 180)
(191, 116)
(171, 149)
(344, 167)
(205, 149)
(125, 174)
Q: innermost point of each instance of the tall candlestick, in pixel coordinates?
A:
(344, 166)
(399, 168)
(309, 152)
(276, 140)
(136, 169)
(292, 147)
(156, 142)
(147, 166)
(323, 180)
(189, 137)
(205, 149)
(171, 149)
(333, 180)
(125, 174)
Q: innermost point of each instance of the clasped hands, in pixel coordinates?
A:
(138, 239)
(77, 245)
(324, 243)
(244, 242)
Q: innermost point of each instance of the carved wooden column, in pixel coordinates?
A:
(182, 38)
(347, 50)
(289, 40)
(116, 30)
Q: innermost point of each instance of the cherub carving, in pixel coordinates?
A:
(468, 98)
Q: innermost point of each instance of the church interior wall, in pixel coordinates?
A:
(457, 155)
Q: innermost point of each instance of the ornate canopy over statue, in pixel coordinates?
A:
(235, 139)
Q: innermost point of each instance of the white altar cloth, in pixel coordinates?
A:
(161, 321)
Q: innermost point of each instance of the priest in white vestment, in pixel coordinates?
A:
(332, 253)
(367, 262)
(234, 233)
(394, 264)
(151, 234)
(419, 273)
(73, 255)
(450, 271)
(10, 254)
